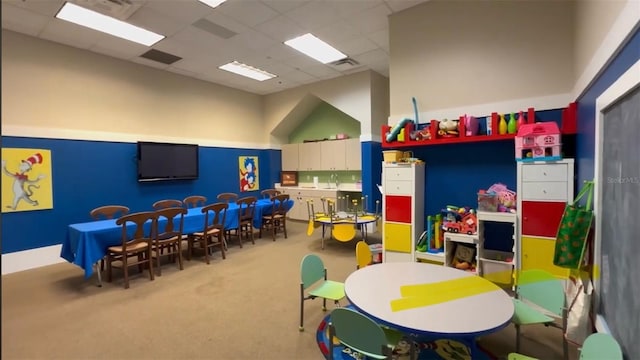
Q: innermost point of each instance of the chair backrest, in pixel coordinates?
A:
(214, 216)
(600, 346)
(358, 332)
(363, 254)
(169, 229)
(108, 212)
(228, 197)
(246, 207)
(269, 193)
(311, 270)
(143, 232)
(541, 288)
(168, 203)
(194, 201)
(279, 204)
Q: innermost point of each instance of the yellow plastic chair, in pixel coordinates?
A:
(364, 257)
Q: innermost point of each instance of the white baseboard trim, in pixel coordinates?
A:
(31, 259)
(622, 28)
(89, 135)
(549, 102)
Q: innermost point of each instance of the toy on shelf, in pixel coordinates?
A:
(464, 258)
(497, 198)
(430, 240)
(399, 131)
(538, 142)
(459, 220)
(471, 125)
(448, 128)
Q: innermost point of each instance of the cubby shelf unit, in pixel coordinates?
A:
(568, 127)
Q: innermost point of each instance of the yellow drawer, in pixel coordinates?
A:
(397, 237)
(537, 253)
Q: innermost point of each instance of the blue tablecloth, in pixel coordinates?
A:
(86, 243)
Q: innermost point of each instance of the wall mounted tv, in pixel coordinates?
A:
(164, 161)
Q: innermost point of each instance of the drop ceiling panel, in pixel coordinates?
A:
(281, 29)
(321, 71)
(348, 8)
(355, 46)
(399, 5)
(372, 20)
(43, 7)
(283, 6)
(119, 48)
(156, 21)
(252, 40)
(23, 21)
(71, 34)
(185, 12)
(250, 13)
(299, 76)
(381, 38)
(313, 15)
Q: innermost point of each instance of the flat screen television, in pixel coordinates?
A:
(165, 161)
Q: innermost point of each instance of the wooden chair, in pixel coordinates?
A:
(163, 204)
(269, 193)
(214, 217)
(108, 212)
(277, 219)
(137, 247)
(169, 237)
(104, 213)
(228, 197)
(194, 201)
(246, 211)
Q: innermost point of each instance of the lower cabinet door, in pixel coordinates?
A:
(537, 253)
(397, 237)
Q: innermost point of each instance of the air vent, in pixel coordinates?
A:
(119, 9)
(161, 57)
(345, 64)
(214, 29)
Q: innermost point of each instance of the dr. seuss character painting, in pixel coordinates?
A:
(248, 173)
(26, 180)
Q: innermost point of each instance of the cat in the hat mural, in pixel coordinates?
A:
(22, 186)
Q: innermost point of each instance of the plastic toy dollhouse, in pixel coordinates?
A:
(538, 142)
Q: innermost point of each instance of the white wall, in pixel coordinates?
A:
(53, 90)
(451, 54)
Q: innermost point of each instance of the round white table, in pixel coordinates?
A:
(371, 290)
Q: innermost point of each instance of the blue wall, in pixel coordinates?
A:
(88, 174)
(585, 141)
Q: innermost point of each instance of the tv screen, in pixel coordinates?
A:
(163, 161)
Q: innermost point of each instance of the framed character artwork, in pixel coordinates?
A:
(248, 173)
(26, 180)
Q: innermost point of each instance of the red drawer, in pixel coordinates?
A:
(398, 208)
(541, 218)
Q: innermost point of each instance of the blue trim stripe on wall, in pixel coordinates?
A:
(88, 174)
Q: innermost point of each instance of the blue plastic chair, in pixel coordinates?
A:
(314, 274)
(545, 291)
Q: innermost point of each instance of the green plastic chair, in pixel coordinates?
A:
(360, 333)
(544, 290)
(597, 346)
(313, 272)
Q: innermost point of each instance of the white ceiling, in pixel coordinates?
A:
(358, 28)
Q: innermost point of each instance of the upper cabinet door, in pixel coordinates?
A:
(353, 154)
(333, 157)
(309, 156)
(290, 157)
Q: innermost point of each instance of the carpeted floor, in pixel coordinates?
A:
(244, 307)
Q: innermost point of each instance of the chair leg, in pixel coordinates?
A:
(324, 304)
(222, 242)
(189, 246)
(273, 229)
(206, 248)
(109, 268)
(126, 271)
(150, 263)
(177, 247)
(250, 229)
(284, 227)
(301, 327)
(517, 338)
(157, 262)
(332, 334)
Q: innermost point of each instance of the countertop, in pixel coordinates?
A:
(322, 187)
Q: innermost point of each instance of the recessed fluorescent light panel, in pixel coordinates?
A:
(96, 21)
(311, 46)
(248, 71)
(213, 3)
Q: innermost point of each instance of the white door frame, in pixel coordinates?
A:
(621, 87)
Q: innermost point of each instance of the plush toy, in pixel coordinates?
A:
(448, 128)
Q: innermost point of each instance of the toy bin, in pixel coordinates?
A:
(488, 202)
(391, 156)
(497, 266)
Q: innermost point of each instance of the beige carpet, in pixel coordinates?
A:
(244, 307)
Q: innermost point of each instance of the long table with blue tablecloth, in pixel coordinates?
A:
(87, 243)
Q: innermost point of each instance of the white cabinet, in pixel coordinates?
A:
(495, 265)
(402, 210)
(332, 155)
(301, 196)
(309, 156)
(353, 152)
(290, 157)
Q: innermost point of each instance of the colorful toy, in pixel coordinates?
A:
(471, 125)
(395, 131)
(506, 198)
(448, 128)
(512, 125)
(502, 125)
(468, 225)
(538, 142)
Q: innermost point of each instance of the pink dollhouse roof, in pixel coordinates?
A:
(541, 128)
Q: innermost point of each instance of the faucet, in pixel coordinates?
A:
(334, 178)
